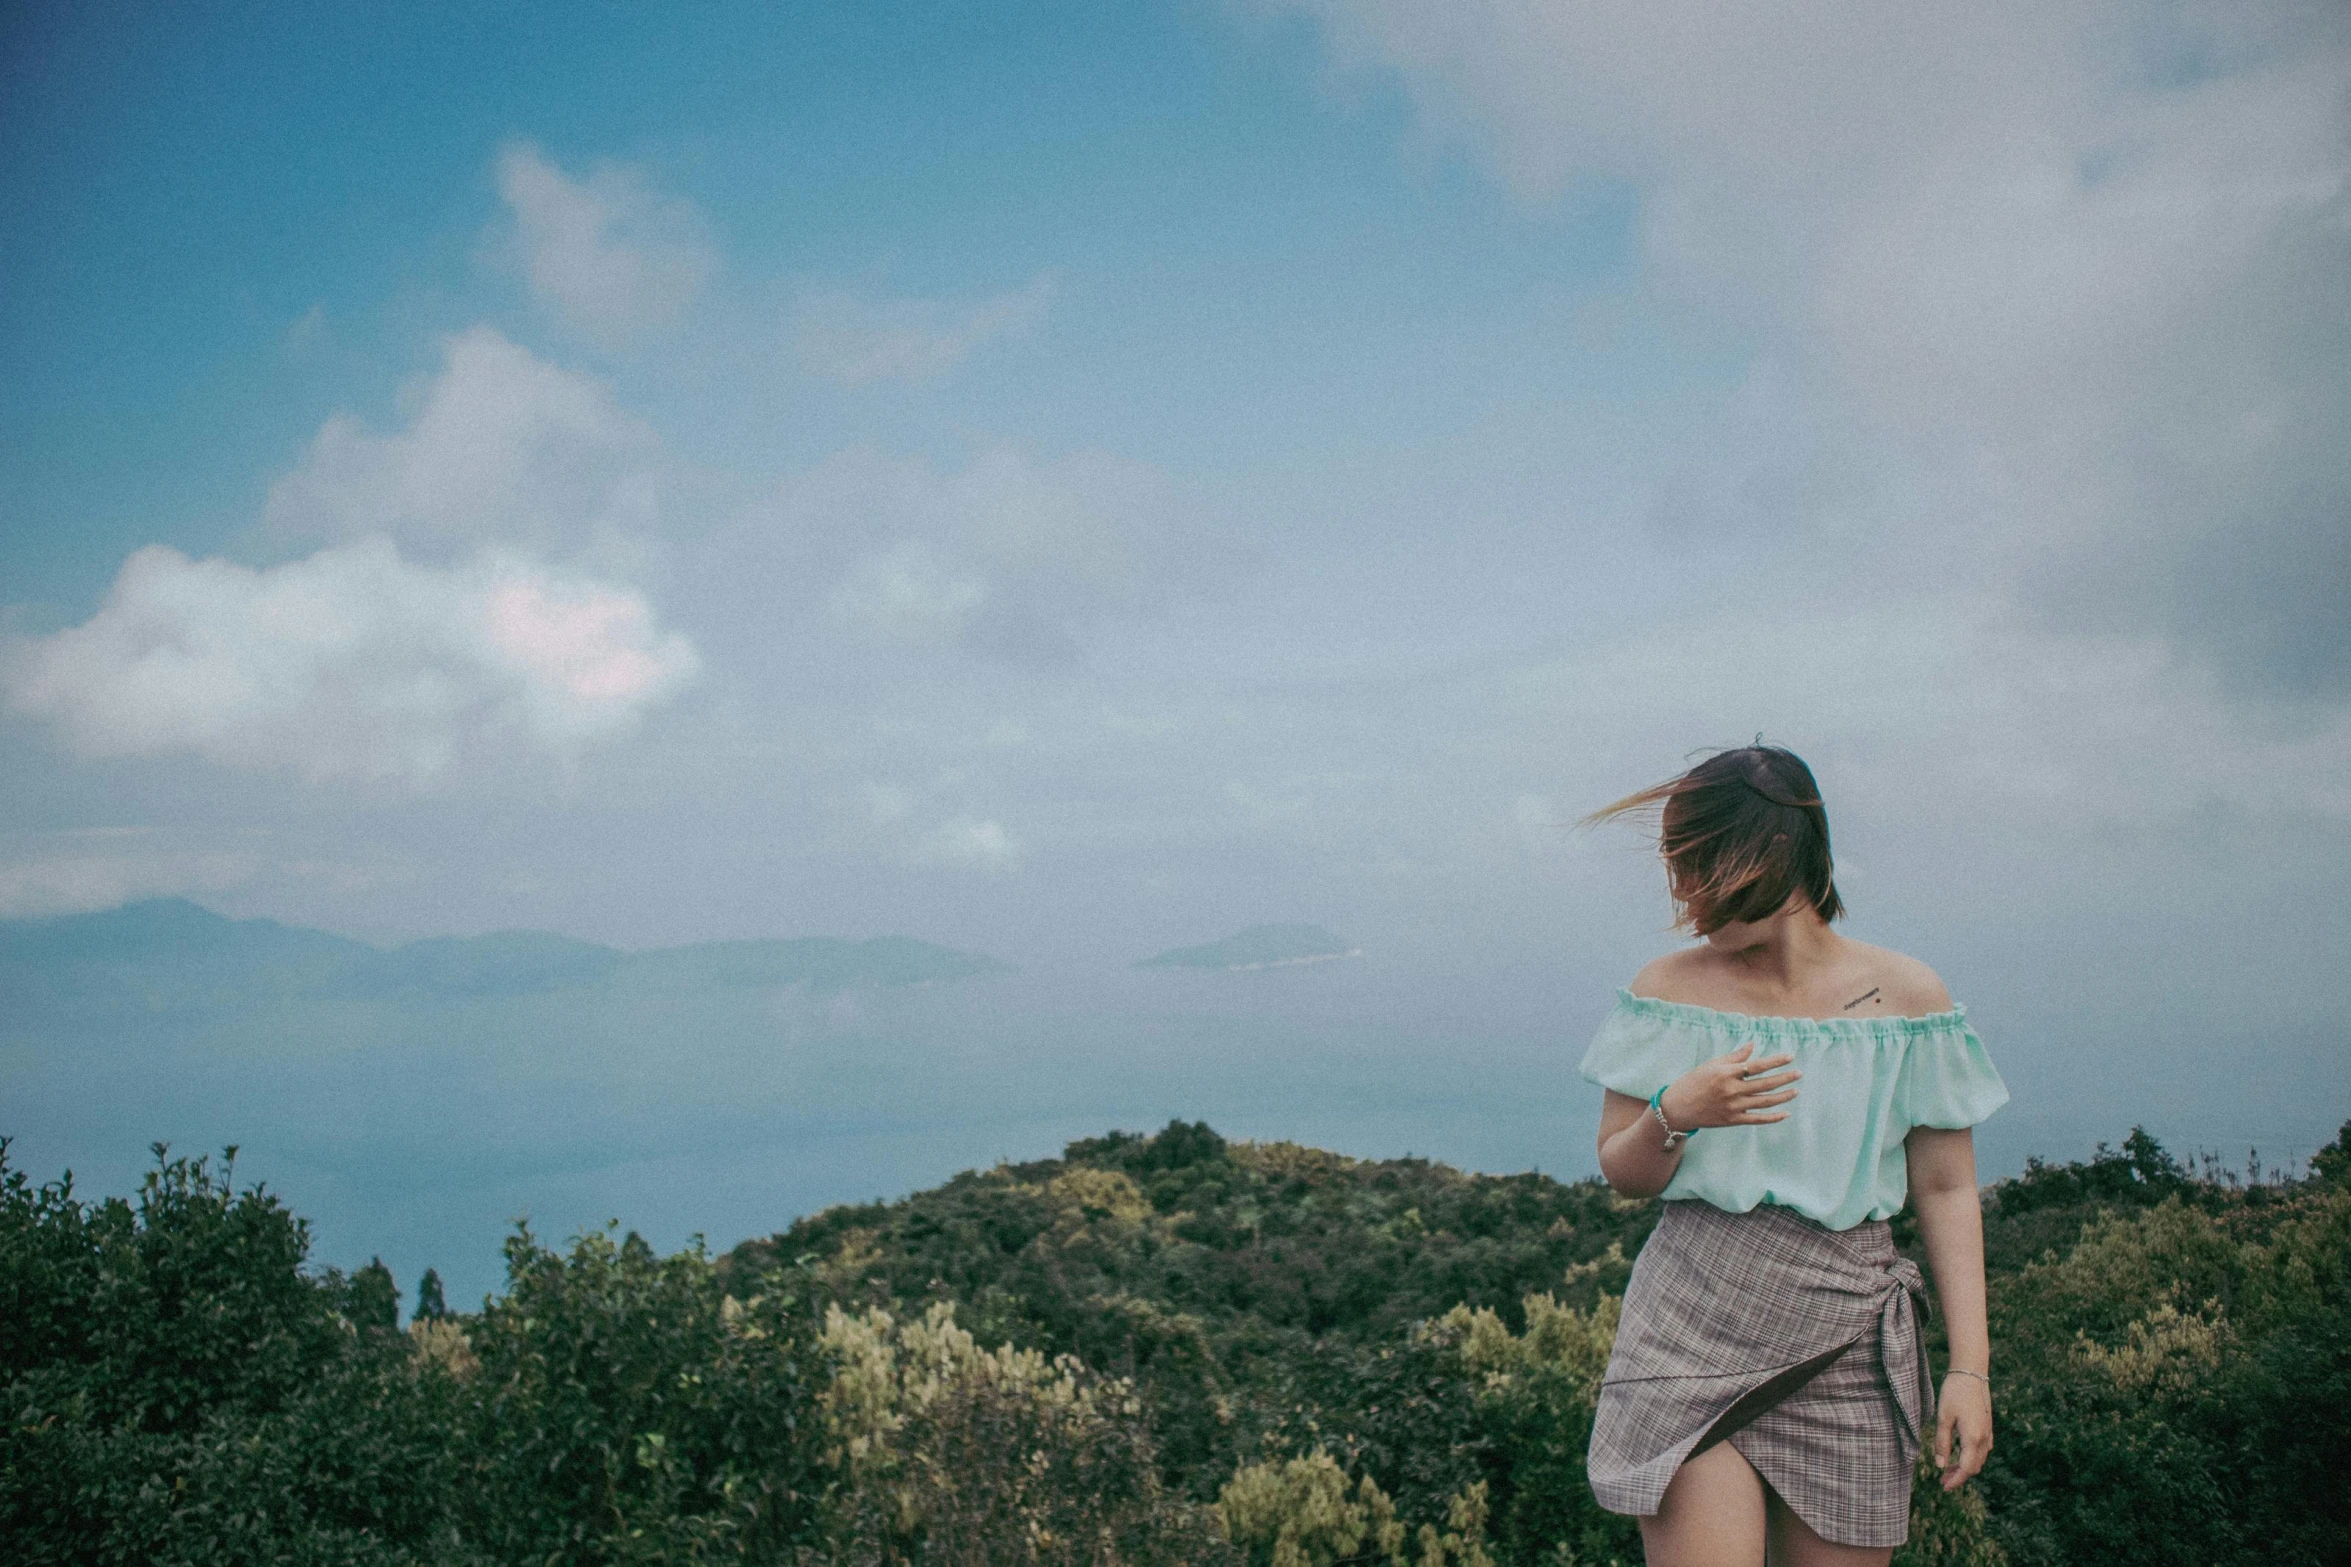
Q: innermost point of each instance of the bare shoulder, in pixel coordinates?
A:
(1911, 988)
(1678, 976)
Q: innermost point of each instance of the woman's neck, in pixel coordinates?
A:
(1797, 946)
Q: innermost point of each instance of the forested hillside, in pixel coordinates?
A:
(1259, 1294)
(1163, 1348)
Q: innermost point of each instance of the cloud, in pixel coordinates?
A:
(613, 259)
(1009, 557)
(77, 883)
(891, 823)
(856, 339)
(968, 842)
(502, 446)
(76, 870)
(887, 804)
(1967, 714)
(352, 662)
(907, 595)
(2083, 270)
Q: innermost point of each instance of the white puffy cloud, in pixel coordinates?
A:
(858, 339)
(352, 662)
(609, 255)
(2084, 267)
(452, 605)
(502, 446)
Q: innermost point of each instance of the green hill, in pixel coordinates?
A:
(1272, 1299)
(1232, 1280)
(1153, 1350)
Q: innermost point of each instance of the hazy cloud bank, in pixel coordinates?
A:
(2080, 266)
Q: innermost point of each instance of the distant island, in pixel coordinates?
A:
(1259, 947)
(173, 948)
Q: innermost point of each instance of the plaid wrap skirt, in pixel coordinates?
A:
(1801, 1346)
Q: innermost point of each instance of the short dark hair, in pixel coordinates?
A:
(1741, 833)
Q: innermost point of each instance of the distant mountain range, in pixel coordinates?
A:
(169, 954)
(1259, 947)
(169, 951)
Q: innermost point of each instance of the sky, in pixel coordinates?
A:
(1070, 481)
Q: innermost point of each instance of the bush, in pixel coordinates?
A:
(177, 1390)
(1535, 1395)
(627, 1408)
(1302, 1513)
(943, 1452)
(2176, 1387)
(1204, 1352)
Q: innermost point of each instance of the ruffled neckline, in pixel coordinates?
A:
(1877, 1027)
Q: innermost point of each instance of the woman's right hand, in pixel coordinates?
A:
(1732, 1090)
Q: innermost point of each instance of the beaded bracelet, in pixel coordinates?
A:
(1961, 1371)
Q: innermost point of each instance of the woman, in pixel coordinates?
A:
(1768, 1393)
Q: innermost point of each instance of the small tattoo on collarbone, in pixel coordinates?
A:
(1864, 996)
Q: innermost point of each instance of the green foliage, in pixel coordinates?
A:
(1401, 1414)
(430, 1306)
(2333, 1162)
(177, 1390)
(1245, 1288)
(1155, 1350)
(369, 1300)
(2177, 1385)
(1303, 1513)
(1947, 1528)
(944, 1452)
(2142, 1173)
(627, 1408)
(2048, 1204)
(166, 1309)
(1534, 1393)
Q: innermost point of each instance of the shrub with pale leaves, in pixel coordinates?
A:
(949, 1453)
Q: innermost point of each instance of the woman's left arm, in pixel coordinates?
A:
(1951, 1222)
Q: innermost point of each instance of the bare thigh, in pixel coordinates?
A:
(1719, 1512)
(1712, 1514)
(1793, 1544)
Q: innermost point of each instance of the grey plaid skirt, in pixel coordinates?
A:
(1800, 1346)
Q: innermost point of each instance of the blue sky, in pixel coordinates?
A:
(1071, 481)
(187, 193)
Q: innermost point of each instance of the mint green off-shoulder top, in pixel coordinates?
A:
(1837, 1159)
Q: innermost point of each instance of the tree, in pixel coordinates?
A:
(370, 1300)
(2333, 1162)
(430, 1307)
